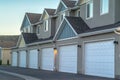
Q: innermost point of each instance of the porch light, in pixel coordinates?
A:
(117, 30)
(55, 51)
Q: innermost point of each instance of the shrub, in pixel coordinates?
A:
(0, 62)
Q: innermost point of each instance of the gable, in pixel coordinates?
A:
(61, 7)
(66, 32)
(26, 22)
(21, 42)
(45, 16)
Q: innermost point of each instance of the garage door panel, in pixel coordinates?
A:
(14, 59)
(68, 59)
(33, 59)
(99, 59)
(47, 59)
(22, 59)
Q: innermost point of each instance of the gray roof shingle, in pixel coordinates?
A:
(33, 17)
(69, 3)
(7, 41)
(32, 37)
(50, 11)
(78, 24)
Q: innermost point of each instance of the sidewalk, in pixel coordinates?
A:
(47, 75)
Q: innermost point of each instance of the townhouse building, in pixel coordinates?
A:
(80, 37)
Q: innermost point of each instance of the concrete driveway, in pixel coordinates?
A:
(4, 76)
(49, 75)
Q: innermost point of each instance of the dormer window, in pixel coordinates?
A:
(46, 25)
(104, 9)
(89, 9)
(78, 13)
(38, 29)
(62, 16)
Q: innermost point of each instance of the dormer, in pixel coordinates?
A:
(64, 9)
(28, 22)
(45, 25)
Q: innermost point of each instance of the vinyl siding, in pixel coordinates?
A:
(61, 7)
(67, 32)
(25, 23)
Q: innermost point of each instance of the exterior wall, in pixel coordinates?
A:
(43, 33)
(67, 42)
(6, 55)
(98, 20)
(98, 38)
(22, 43)
(117, 11)
(66, 32)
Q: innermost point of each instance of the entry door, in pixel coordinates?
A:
(48, 59)
(68, 59)
(99, 59)
(33, 59)
(14, 59)
(22, 59)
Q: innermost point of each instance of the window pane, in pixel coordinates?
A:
(104, 6)
(89, 9)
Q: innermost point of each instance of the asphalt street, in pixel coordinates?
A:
(4, 76)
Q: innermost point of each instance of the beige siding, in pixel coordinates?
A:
(22, 43)
(6, 56)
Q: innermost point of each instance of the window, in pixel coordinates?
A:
(46, 25)
(104, 6)
(38, 29)
(62, 16)
(78, 13)
(89, 9)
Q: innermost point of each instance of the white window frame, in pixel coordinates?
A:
(38, 29)
(46, 25)
(62, 16)
(78, 13)
(101, 7)
(90, 15)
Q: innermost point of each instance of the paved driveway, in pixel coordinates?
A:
(4, 76)
(49, 75)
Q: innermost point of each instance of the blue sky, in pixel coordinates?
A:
(13, 11)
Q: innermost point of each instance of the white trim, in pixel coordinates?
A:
(71, 27)
(59, 5)
(28, 19)
(68, 38)
(96, 32)
(58, 29)
(98, 40)
(101, 13)
(66, 44)
(86, 10)
(78, 15)
(44, 14)
(46, 25)
(37, 43)
(91, 41)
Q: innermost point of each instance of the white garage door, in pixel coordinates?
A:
(14, 59)
(99, 59)
(33, 59)
(68, 59)
(47, 59)
(22, 59)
